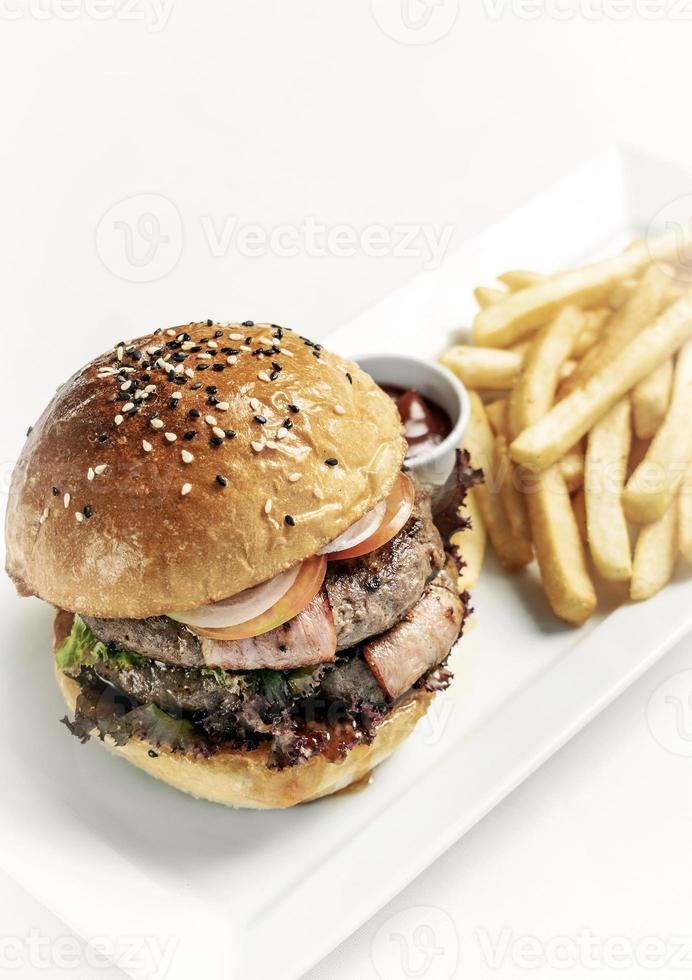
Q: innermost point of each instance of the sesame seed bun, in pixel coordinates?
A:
(242, 779)
(113, 512)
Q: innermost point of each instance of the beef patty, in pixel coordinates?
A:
(368, 595)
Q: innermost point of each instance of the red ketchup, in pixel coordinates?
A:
(426, 425)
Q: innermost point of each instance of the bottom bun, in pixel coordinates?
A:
(242, 779)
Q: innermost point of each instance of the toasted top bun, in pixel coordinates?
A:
(116, 510)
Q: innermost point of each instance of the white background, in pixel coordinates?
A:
(274, 114)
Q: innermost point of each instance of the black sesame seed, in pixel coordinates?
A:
(196, 349)
(210, 323)
(230, 433)
(216, 440)
(194, 413)
(173, 402)
(145, 377)
(174, 344)
(152, 754)
(274, 375)
(179, 357)
(184, 336)
(290, 520)
(248, 340)
(332, 461)
(56, 492)
(288, 423)
(88, 510)
(172, 375)
(248, 323)
(318, 346)
(316, 354)
(218, 333)
(196, 386)
(136, 355)
(203, 340)
(294, 409)
(276, 366)
(261, 419)
(29, 430)
(211, 389)
(103, 437)
(221, 480)
(350, 379)
(229, 350)
(153, 415)
(190, 435)
(202, 367)
(212, 400)
(218, 367)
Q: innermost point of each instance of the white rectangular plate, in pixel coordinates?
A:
(268, 894)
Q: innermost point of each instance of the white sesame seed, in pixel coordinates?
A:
(188, 345)
(78, 516)
(204, 356)
(267, 341)
(235, 336)
(221, 406)
(128, 406)
(339, 409)
(255, 404)
(210, 420)
(140, 394)
(268, 507)
(90, 474)
(185, 489)
(66, 500)
(177, 395)
(263, 376)
(187, 456)
(126, 385)
(119, 353)
(118, 420)
(318, 493)
(156, 424)
(171, 332)
(160, 362)
(287, 352)
(153, 349)
(212, 344)
(171, 436)
(146, 446)
(126, 368)
(106, 372)
(245, 347)
(231, 359)
(150, 389)
(294, 477)
(257, 446)
(281, 433)
(219, 433)
(189, 372)
(179, 368)
(101, 468)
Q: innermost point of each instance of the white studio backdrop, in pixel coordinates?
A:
(163, 160)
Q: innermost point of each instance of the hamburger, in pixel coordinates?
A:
(253, 600)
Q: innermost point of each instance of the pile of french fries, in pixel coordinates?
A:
(581, 397)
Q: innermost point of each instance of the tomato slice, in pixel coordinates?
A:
(306, 586)
(398, 510)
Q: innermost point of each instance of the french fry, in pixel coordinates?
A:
(487, 296)
(521, 278)
(621, 293)
(544, 442)
(650, 400)
(559, 548)
(480, 442)
(534, 391)
(572, 468)
(513, 500)
(516, 315)
(483, 368)
(472, 540)
(579, 508)
(654, 555)
(497, 414)
(607, 454)
(653, 485)
(591, 331)
(685, 517)
(640, 311)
